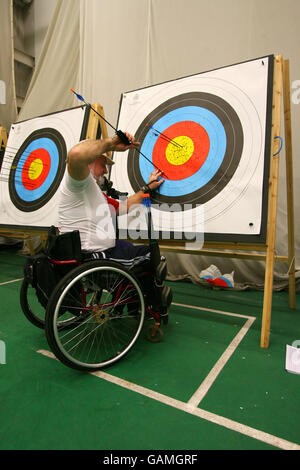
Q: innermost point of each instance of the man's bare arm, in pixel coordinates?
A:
(84, 153)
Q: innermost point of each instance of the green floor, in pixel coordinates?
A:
(46, 405)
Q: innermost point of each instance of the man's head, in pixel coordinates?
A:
(99, 167)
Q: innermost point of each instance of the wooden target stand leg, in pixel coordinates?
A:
(289, 182)
(3, 137)
(281, 83)
(96, 123)
(272, 205)
(3, 143)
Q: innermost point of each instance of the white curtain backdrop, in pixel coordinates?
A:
(58, 66)
(103, 48)
(8, 102)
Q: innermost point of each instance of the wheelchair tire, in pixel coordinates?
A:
(32, 309)
(109, 300)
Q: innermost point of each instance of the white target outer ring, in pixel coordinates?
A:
(244, 87)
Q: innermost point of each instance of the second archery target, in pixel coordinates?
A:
(37, 169)
(34, 164)
(210, 136)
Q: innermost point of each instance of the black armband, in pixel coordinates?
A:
(145, 189)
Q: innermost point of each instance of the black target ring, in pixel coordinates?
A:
(234, 139)
(51, 142)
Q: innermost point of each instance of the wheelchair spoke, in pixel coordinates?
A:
(108, 305)
(82, 338)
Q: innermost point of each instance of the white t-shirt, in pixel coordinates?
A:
(83, 207)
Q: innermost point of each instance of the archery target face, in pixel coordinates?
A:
(34, 165)
(207, 134)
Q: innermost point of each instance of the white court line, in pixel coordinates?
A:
(213, 374)
(191, 409)
(204, 309)
(8, 282)
(198, 396)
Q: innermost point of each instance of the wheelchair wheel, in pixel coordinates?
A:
(34, 311)
(109, 302)
(31, 307)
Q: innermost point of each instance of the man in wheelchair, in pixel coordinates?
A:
(84, 207)
(95, 289)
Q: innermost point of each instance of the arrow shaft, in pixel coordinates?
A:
(119, 133)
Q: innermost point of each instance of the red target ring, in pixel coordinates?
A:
(36, 168)
(181, 150)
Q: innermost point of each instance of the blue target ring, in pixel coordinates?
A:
(217, 137)
(33, 194)
(226, 140)
(42, 141)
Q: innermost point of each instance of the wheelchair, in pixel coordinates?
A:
(97, 309)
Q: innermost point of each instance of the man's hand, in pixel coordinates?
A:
(119, 146)
(153, 184)
(153, 180)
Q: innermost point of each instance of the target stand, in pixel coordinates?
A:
(3, 142)
(227, 121)
(266, 251)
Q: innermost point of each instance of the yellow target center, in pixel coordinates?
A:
(35, 169)
(179, 150)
